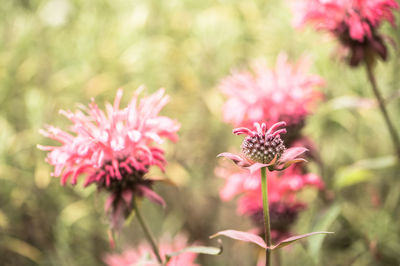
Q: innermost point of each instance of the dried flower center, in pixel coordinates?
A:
(263, 148)
(130, 177)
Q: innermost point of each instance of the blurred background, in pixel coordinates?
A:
(58, 53)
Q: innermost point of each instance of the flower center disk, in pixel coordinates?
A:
(263, 148)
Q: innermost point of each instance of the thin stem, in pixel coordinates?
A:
(382, 107)
(147, 231)
(264, 186)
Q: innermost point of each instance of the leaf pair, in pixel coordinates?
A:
(249, 237)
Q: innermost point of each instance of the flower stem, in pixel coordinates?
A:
(381, 103)
(147, 231)
(264, 186)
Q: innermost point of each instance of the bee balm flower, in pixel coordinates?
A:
(264, 148)
(113, 149)
(285, 93)
(143, 255)
(354, 22)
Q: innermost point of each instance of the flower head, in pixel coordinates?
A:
(286, 93)
(354, 22)
(283, 189)
(264, 148)
(143, 256)
(113, 149)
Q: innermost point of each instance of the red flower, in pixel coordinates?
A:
(143, 254)
(113, 149)
(285, 93)
(353, 22)
(264, 148)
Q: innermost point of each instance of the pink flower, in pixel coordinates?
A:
(353, 22)
(271, 95)
(282, 193)
(113, 149)
(264, 148)
(143, 255)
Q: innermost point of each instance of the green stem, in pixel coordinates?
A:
(147, 231)
(382, 107)
(264, 186)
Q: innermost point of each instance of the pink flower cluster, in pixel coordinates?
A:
(286, 93)
(353, 22)
(114, 149)
(283, 188)
(143, 255)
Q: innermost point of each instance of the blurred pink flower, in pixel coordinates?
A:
(282, 194)
(114, 149)
(264, 148)
(353, 22)
(286, 93)
(143, 255)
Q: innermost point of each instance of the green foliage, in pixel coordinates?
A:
(57, 53)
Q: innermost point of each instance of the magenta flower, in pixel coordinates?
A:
(113, 149)
(143, 255)
(283, 188)
(286, 93)
(264, 148)
(354, 22)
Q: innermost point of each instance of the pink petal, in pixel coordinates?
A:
(127, 196)
(152, 196)
(292, 153)
(256, 166)
(242, 236)
(243, 130)
(109, 201)
(237, 159)
(275, 126)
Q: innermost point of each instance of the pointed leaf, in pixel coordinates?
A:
(326, 221)
(198, 250)
(292, 239)
(289, 163)
(243, 236)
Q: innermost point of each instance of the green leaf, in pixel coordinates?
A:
(328, 218)
(377, 163)
(362, 170)
(293, 239)
(197, 249)
(350, 176)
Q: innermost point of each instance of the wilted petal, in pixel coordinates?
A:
(292, 153)
(237, 159)
(152, 196)
(256, 166)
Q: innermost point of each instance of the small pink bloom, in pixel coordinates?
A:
(264, 148)
(286, 93)
(143, 254)
(113, 149)
(354, 22)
